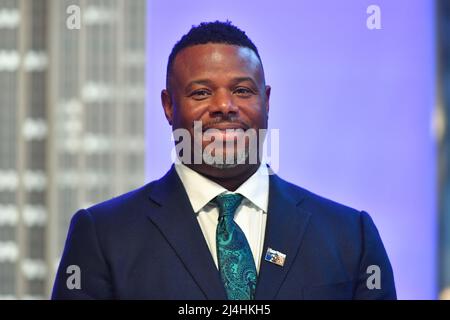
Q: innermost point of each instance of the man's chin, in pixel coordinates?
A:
(228, 160)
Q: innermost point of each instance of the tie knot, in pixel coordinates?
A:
(228, 203)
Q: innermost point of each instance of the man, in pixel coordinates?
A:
(215, 229)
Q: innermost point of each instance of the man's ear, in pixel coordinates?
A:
(267, 93)
(166, 102)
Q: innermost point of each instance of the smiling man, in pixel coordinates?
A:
(215, 229)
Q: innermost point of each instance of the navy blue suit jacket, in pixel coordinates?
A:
(147, 244)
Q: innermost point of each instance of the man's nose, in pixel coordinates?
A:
(222, 104)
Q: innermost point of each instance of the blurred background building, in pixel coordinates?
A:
(443, 116)
(71, 125)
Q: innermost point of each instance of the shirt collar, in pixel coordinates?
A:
(201, 190)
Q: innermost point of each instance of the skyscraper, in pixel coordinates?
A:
(71, 124)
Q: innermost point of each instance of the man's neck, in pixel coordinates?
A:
(229, 178)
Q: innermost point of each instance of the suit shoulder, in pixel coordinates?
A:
(128, 208)
(322, 206)
(328, 205)
(123, 205)
(334, 221)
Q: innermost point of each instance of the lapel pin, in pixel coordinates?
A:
(275, 257)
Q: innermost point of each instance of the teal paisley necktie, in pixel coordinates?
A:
(236, 265)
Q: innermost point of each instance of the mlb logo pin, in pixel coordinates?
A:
(275, 257)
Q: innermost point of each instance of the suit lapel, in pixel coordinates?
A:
(175, 218)
(286, 225)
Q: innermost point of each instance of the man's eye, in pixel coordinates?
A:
(199, 94)
(243, 91)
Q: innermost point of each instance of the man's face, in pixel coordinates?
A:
(220, 85)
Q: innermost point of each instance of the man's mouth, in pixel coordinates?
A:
(223, 126)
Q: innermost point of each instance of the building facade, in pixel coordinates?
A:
(71, 125)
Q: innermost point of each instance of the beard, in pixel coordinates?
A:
(240, 157)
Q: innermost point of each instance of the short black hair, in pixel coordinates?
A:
(211, 32)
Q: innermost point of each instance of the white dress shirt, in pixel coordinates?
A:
(251, 215)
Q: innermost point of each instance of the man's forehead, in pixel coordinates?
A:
(216, 57)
